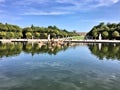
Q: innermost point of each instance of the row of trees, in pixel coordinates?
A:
(8, 31)
(107, 31)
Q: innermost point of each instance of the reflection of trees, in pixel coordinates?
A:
(106, 51)
(44, 48)
(10, 49)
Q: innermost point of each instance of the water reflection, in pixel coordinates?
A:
(108, 51)
(74, 69)
(101, 50)
(11, 49)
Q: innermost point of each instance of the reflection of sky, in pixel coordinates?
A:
(73, 68)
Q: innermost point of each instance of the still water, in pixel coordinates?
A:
(70, 67)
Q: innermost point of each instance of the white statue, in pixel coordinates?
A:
(100, 37)
(48, 37)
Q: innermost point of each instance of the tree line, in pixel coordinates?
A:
(107, 31)
(9, 31)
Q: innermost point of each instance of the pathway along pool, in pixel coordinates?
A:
(72, 67)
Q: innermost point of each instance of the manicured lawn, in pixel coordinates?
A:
(78, 37)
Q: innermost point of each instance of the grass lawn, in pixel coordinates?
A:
(78, 37)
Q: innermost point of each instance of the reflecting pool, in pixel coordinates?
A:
(31, 66)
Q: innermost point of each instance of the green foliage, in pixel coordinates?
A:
(105, 34)
(43, 36)
(53, 35)
(78, 37)
(2, 35)
(95, 34)
(29, 35)
(27, 29)
(115, 34)
(10, 35)
(8, 31)
(108, 31)
(14, 31)
(37, 35)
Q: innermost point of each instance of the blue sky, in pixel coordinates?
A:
(79, 15)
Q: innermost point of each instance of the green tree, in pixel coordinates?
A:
(2, 35)
(53, 35)
(37, 35)
(27, 29)
(29, 35)
(19, 35)
(11, 34)
(115, 34)
(105, 34)
(95, 34)
(43, 35)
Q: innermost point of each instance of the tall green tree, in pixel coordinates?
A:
(115, 34)
(29, 35)
(105, 34)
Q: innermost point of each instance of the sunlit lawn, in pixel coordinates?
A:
(78, 37)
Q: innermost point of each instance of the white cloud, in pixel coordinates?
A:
(40, 1)
(100, 20)
(66, 1)
(108, 2)
(89, 2)
(45, 13)
(115, 1)
(36, 11)
(58, 7)
(110, 21)
(29, 2)
(100, 3)
(83, 5)
(74, 2)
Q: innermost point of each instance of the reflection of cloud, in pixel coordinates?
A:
(45, 64)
